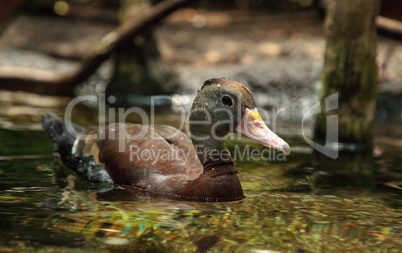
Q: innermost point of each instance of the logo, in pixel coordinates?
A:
(330, 148)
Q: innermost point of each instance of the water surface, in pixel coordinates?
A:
(302, 204)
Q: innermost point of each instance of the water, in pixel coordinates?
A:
(303, 204)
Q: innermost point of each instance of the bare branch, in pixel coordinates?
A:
(390, 25)
(44, 82)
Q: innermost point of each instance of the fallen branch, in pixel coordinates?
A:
(48, 83)
(390, 25)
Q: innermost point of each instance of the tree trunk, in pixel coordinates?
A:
(8, 9)
(138, 66)
(350, 69)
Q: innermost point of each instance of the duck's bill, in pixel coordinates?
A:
(252, 126)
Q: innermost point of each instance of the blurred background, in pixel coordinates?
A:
(276, 48)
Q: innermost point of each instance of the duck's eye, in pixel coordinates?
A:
(226, 100)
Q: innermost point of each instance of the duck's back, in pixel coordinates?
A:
(156, 158)
(153, 158)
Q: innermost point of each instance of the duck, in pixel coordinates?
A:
(162, 161)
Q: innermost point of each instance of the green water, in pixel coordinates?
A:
(303, 204)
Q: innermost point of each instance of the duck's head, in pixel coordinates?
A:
(224, 106)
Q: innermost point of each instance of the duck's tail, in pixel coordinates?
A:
(64, 138)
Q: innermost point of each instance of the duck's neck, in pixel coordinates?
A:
(212, 153)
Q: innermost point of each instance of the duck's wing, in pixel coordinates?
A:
(183, 146)
(155, 158)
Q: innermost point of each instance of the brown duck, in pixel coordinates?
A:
(160, 160)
